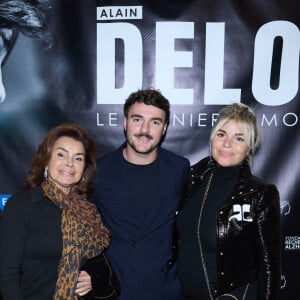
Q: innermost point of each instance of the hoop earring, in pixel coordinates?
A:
(46, 172)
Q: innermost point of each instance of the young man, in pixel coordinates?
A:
(137, 190)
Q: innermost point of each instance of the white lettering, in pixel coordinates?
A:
(120, 63)
(167, 59)
(4, 200)
(107, 90)
(179, 120)
(287, 117)
(202, 117)
(190, 119)
(111, 121)
(289, 68)
(105, 13)
(273, 120)
(214, 93)
(214, 119)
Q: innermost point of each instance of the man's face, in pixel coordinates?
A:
(145, 125)
(7, 39)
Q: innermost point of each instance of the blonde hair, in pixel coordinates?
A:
(245, 117)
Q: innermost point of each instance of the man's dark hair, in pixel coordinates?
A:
(149, 97)
(24, 15)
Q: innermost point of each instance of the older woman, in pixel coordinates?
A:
(229, 224)
(49, 231)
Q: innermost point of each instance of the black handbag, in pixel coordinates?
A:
(105, 282)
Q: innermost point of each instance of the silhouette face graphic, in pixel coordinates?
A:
(7, 40)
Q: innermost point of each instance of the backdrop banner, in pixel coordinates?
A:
(202, 55)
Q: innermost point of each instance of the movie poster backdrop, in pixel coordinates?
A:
(202, 55)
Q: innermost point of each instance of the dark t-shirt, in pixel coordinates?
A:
(143, 184)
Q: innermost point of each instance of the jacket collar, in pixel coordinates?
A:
(206, 165)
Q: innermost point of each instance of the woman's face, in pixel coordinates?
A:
(229, 147)
(67, 162)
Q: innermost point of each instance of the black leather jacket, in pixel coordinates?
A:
(248, 232)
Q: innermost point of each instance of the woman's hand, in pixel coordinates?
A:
(84, 283)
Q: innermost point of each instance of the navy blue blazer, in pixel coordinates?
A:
(140, 247)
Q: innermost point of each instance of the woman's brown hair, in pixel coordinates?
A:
(42, 156)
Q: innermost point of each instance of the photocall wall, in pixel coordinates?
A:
(202, 55)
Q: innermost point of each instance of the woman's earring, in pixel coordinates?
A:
(46, 172)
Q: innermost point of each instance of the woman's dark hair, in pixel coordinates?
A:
(149, 97)
(42, 156)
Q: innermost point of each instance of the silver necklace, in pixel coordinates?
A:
(198, 235)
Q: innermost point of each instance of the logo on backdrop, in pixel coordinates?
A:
(3, 199)
(121, 53)
(292, 242)
(285, 207)
(116, 25)
(201, 119)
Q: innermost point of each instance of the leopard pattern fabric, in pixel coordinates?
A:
(83, 233)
